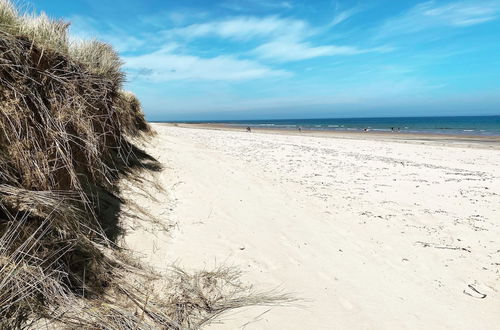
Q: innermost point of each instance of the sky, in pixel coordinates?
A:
(265, 59)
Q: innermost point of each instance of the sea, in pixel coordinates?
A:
(462, 125)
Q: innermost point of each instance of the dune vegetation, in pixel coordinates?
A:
(67, 136)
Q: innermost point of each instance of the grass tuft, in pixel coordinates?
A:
(100, 58)
(45, 32)
(9, 17)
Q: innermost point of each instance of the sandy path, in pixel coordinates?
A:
(372, 234)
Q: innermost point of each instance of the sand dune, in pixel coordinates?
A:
(370, 234)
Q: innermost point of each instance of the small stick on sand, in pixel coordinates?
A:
(481, 295)
(425, 244)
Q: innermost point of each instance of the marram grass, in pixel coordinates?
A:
(66, 138)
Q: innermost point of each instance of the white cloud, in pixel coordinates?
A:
(244, 27)
(430, 14)
(344, 15)
(294, 51)
(166, 65)
(340, 17)
(284, 38)
(290, 50)
(464, 13)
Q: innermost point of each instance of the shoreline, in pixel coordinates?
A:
(458, 140)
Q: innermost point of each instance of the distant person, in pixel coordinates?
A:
(249, 130)
(365, 129)
(300, 129)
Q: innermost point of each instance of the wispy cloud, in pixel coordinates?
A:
(290, 50)
(343, 15)
(168, 64)
(281, 39)
(244, 27)
(431, 14)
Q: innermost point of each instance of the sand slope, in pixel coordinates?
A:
(371, 234)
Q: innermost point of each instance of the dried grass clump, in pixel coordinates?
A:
(66, 130)
(48, 33)
(45, 32)
(9, 17)
(131, 113)
(100, 57)
(63, 146)
(196, 299)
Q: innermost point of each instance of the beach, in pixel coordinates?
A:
(366, 231)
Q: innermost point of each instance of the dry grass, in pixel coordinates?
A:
(9, 17)
(40, 29)
(66, 129)
(100, 57)
(49, 34)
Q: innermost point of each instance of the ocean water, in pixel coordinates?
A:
(464, 125)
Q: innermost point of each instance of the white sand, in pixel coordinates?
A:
(371, 234)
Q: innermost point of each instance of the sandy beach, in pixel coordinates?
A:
(252, 165)
(370, 232)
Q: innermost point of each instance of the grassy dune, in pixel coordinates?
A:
(66, 139)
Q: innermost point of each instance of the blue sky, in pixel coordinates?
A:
(256, 59)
